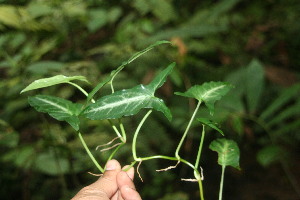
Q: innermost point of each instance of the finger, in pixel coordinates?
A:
(129, 172)
(124, 179)
(129, 193)
(105, 187)
(126, 186)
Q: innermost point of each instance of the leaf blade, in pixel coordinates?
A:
(125, 103)
(46, 82)
(228, 152)
(209, 93)
(211, 124)
(160, 79)
(103, 83)
(58, 108)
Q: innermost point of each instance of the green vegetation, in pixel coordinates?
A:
(252, 45)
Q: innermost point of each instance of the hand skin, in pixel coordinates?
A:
(115, 184)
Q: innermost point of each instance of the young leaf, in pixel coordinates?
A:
(58, 108)
(125, 103)
(138, 54)
(254, 82)
(209, 93)
(103, 83)
(115, 72)
(211, 124)
(160, 79)
(228, 152)
(46, 82)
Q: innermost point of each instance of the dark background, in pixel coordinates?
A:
(252, 44)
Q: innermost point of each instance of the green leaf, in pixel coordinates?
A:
(50, 164)
(211, 124)
(160, 79)
(254, 82)
(104, 82)
(46, 82)
(58, 108)
(138, 54)
(125, 103)
(228, 152)
(115, 72)
(283, 98)
(209, 93)
(44, 67)
(291, 111)
(269, 155)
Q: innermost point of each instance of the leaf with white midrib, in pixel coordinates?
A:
(125, 103)
(208, 93)
(55, 80)
(130, 101)
(228, 152)
(58, 108)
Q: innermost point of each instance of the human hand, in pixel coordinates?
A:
(115, 184)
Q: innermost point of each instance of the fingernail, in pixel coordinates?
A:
(110, 165)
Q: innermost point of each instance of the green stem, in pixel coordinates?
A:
(89, 153)
(168, 158)
(222, 182)
(200, 147)
(115, 151)
(112, 78)
(136, 134)
(81, 89)
(123, 131)
(115, 129)
(197, 175)
(201, 189)
(186, 130)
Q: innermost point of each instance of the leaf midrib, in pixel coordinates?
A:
(55, 105)
(209, 92)
(119, 103)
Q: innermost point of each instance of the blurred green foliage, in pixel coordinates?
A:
(251, 44)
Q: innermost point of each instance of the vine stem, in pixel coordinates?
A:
(136, 134)
(198, 161)
(187, 130)
(81, 89)
(89, 153)
(196, 172)
(222, 182)
(200, 147)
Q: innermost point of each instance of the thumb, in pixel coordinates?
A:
(105, 187)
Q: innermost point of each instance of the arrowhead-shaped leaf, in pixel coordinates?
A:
(160, 79)
(58, 108)
(115, 72)
(125, 103)
(210, 123)
(138, 54)
(46, 82)
(209, 93)
(104, 82)
(228, 152)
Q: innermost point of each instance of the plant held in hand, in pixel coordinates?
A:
(128, 102)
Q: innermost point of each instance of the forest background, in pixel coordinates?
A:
(254, 45)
